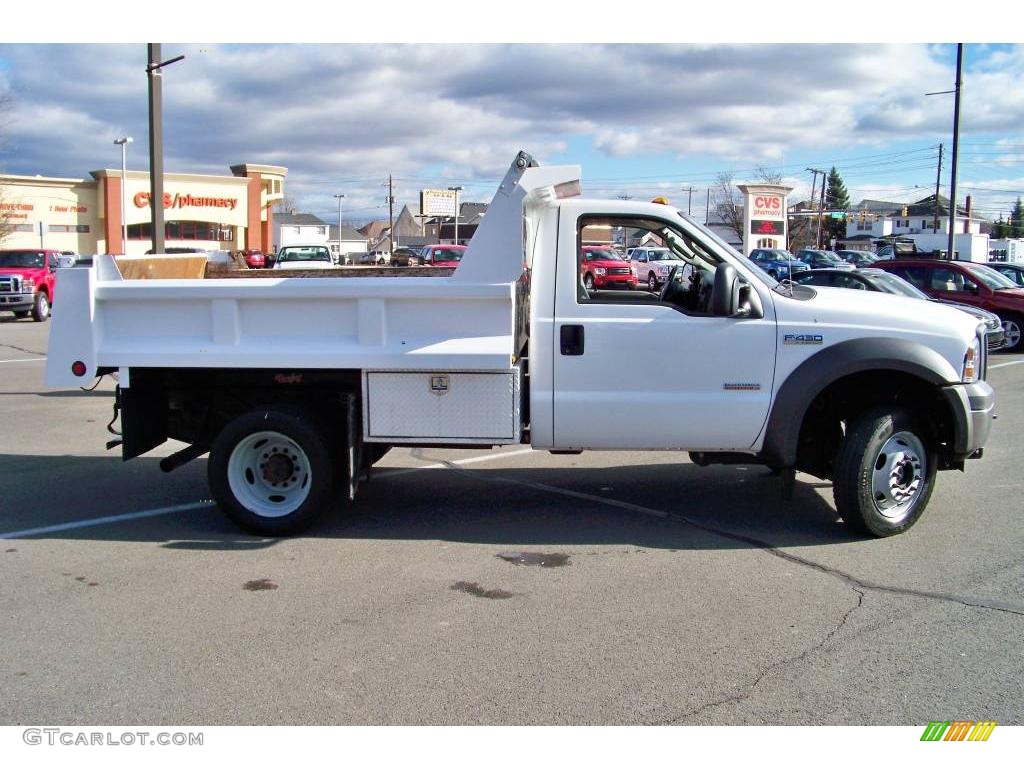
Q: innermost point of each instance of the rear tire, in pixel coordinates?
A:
(41, 308)
(272, 472)
(884, 472)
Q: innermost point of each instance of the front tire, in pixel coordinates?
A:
(271, 471)
(41, 308)
(1011, 333)
(652, 283)
(21, 314)
(588, 282)
(884, 472)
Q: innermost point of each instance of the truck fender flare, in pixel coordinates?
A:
(822, 369)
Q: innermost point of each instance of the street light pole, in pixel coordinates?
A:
(456, 190)
(339, 198)
(956, 146)
(124, 142)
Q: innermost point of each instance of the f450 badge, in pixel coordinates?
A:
(802, 338)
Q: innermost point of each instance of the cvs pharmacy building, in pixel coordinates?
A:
(86, 216)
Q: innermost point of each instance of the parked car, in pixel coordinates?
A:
(603, 268)
(256, 259)
(880, 280)
(405, 257)
(968, 283)
(820, 259)
(777, 262)
(1014, 272)
(857, 258)
(304, 257)
(442, 255)
(177, 250)
(27, 281)
(653, 265)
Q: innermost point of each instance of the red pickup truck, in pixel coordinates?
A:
(26, 281)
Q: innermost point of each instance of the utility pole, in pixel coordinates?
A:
(156, 143)
(821, 205)
(707, 209)
(956, 143)
(391, 214)
(938, 181)
(625, 231)
(821, 208)
(689, 202)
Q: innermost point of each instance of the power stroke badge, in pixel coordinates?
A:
(800, 339)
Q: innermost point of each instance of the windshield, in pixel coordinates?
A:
(991, 278)
(22, 259)
(662, 256)
(593, 254)
(893, 284)
(308, 253)
(447, 254)
(830, 258)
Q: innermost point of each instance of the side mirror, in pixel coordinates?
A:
(732, 296)
(725, 292)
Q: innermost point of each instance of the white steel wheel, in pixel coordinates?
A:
(900, 469)
(270, 474)
(272, 470)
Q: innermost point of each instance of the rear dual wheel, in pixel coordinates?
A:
(272, 471)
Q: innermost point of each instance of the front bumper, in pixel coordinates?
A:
(974, 410)
(16, 302)
(614, 281)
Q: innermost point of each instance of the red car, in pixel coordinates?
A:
(601, 267)
(442, 255)
(27, 280)
(967, 283)
(255, 259)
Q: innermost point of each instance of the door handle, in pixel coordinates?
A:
(572, 340)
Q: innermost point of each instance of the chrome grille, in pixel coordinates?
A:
(10, 283)
(619, 271)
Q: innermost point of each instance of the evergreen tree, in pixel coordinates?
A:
(836, 199)
(1017, 225)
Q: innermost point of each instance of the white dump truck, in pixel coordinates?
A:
(295, 386)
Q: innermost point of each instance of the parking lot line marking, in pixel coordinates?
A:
(444, 465)
(104, 520)
(1003, 365)
(25, 360)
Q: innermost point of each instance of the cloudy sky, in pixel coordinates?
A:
(642, 119)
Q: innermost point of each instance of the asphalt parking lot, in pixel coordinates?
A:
(498, 587)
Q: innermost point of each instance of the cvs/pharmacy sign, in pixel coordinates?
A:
(767, 207)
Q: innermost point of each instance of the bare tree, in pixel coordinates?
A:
(728, 202)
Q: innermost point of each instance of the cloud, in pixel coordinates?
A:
(342, 117)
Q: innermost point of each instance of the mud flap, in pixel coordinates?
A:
(355, 457)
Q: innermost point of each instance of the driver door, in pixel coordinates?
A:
(633, 373)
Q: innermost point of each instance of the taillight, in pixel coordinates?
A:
(78, 368)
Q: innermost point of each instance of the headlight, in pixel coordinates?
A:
(600, 271)
(28, 284)
(971, 362)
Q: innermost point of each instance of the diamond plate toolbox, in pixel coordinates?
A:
(441, 406)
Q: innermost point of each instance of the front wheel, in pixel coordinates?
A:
(588, 282)
(22, 313)
(652, 283)
(1011, 333)
(271, 471)
(41, 308)
(884, 472)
